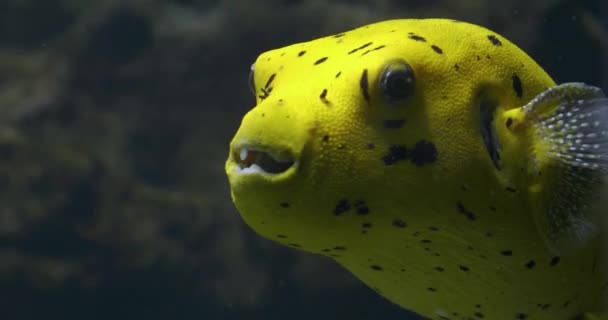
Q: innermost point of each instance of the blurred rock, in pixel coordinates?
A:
(115, 117)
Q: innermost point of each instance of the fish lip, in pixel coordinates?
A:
(260, 159)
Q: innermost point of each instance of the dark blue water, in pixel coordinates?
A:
(114, 127)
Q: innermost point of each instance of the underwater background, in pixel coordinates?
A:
(115, 119)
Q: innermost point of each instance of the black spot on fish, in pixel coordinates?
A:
(431, 289)
(295, 245)
(479, 315)
(341, 207)
(323, 96)
(269, 81)
(366, 225)
(492, 208)
(320, 60)
(507, 253)
(339, 35)
(393, 123)
(463, 268)
(265, 93)
(364, 85)
(467, 213)
(494, 40)
(566, 304)
(554, 261)
(416, 37)
(338, 74)
(509, 122)
(374, 49)
(371, 146)
(376, 267)
(439, 269)
(281, 236)
(395, 153)
(360, 48)
(361, 208)
(325, 138)
(340, 248)
(530, 264)
(284, 205)
(424, 153)
(511, 189)
(301, 53)
(521, 316)
(437, 49)
(519, 91)
(478, 306)
(433, 228)
(425, 241)
(399, 223)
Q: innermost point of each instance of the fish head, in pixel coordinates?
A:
(371, 125)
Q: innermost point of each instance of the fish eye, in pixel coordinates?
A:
(397, 81)
(251, 79)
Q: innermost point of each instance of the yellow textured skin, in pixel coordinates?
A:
(440, 232)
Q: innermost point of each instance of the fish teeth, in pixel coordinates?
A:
(243, 154)
(252, 169)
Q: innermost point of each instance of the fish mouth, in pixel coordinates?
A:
(251, 159)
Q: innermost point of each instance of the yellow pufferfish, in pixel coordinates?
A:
(438, 163)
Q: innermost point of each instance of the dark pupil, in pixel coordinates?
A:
(398, 84)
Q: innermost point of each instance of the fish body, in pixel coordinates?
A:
(430, 159)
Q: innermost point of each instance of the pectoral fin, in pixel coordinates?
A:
(569, 126)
